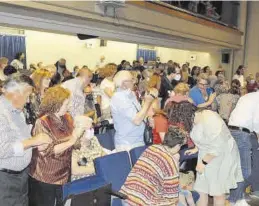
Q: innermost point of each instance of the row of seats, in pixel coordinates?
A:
(113, 168)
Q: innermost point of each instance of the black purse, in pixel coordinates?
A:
(148, 131)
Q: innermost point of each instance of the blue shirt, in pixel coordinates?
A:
(196, 95)
(124, 107)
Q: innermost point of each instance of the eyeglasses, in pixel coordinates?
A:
(204, 85)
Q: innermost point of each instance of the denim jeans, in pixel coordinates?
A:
(253, 179)
(244, 145)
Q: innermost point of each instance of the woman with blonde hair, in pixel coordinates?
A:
(107, 88)
(41, 79)
(50, 167)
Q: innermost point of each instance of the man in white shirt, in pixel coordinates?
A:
(76, 87)
(244, 127)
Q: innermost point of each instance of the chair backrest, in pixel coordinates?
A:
(136, 153)
(106, 140)
(82, 185)
(113, 168)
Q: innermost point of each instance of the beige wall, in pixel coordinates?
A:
(252, 47)
(49, 47)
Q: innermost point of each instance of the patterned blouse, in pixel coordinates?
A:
(229, 101)
(154, 179)
(90, 152)
(46, 166)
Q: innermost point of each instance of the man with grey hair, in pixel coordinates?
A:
(128, 115)
(16, 142)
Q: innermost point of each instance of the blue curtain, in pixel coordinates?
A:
(11, 45)
(148, 55)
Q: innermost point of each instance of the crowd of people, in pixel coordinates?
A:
(50, 117)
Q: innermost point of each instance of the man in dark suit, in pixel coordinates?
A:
(171, 73)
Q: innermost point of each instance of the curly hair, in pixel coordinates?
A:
(181, 113)
(235, 87)
(175, 136)
(53, 100)
(37, 77)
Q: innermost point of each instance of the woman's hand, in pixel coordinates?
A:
(191, 151)
(200, 167)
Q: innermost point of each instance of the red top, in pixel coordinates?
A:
(161, 125)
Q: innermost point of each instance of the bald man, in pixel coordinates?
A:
(76, 87)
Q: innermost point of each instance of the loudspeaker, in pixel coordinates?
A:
(85, 36)
(225, 58)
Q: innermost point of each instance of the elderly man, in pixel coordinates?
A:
(76, 86)
(127, 113)
(244, 127)
(16, 142)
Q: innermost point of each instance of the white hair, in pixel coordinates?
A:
(120, 77)
(13, 86)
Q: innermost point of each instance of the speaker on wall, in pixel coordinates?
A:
(225, 58)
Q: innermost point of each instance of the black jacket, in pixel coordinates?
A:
(166, 86)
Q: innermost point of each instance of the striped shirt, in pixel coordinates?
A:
(46, 166)
(154, 180)
(13, 130)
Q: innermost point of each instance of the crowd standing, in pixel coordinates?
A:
(49, 117)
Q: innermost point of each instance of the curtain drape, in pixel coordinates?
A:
(10, 45)
(147, 54)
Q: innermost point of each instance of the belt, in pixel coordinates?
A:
(12, 171)
(239, 128)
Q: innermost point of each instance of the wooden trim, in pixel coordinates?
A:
(182, 15)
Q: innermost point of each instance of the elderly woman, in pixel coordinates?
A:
(51, 167)
(154, 179)
(89, 149)
(107, 88)
(41, 79)
(218, 167)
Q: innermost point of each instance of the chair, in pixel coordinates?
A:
(136, 153)
(82, 185)
(113, 168)
(106, 140)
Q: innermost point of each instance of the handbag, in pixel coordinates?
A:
(148, 131)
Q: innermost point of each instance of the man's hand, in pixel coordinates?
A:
(41, 139)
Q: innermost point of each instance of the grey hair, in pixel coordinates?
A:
(120, 77)
(17, 83)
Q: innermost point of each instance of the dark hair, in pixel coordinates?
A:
(205, 69)
(171, 70)
(19, 78)
(123, 61)
(218, 72)
(55, 80)
(235, 87)
(175, 136)
(240, 67)
(194, 69)
(18, 55)
(181, 113)
(8, 70)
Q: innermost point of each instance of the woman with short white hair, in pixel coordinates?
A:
(87, 149)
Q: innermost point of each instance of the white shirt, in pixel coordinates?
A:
(246, 112)
(17, 64)
(77, 96)
(2, 76)
(106, 100)
(240, 78)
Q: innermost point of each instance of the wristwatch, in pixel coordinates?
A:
(203, 162)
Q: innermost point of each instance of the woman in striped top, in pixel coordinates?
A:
(154, 180)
